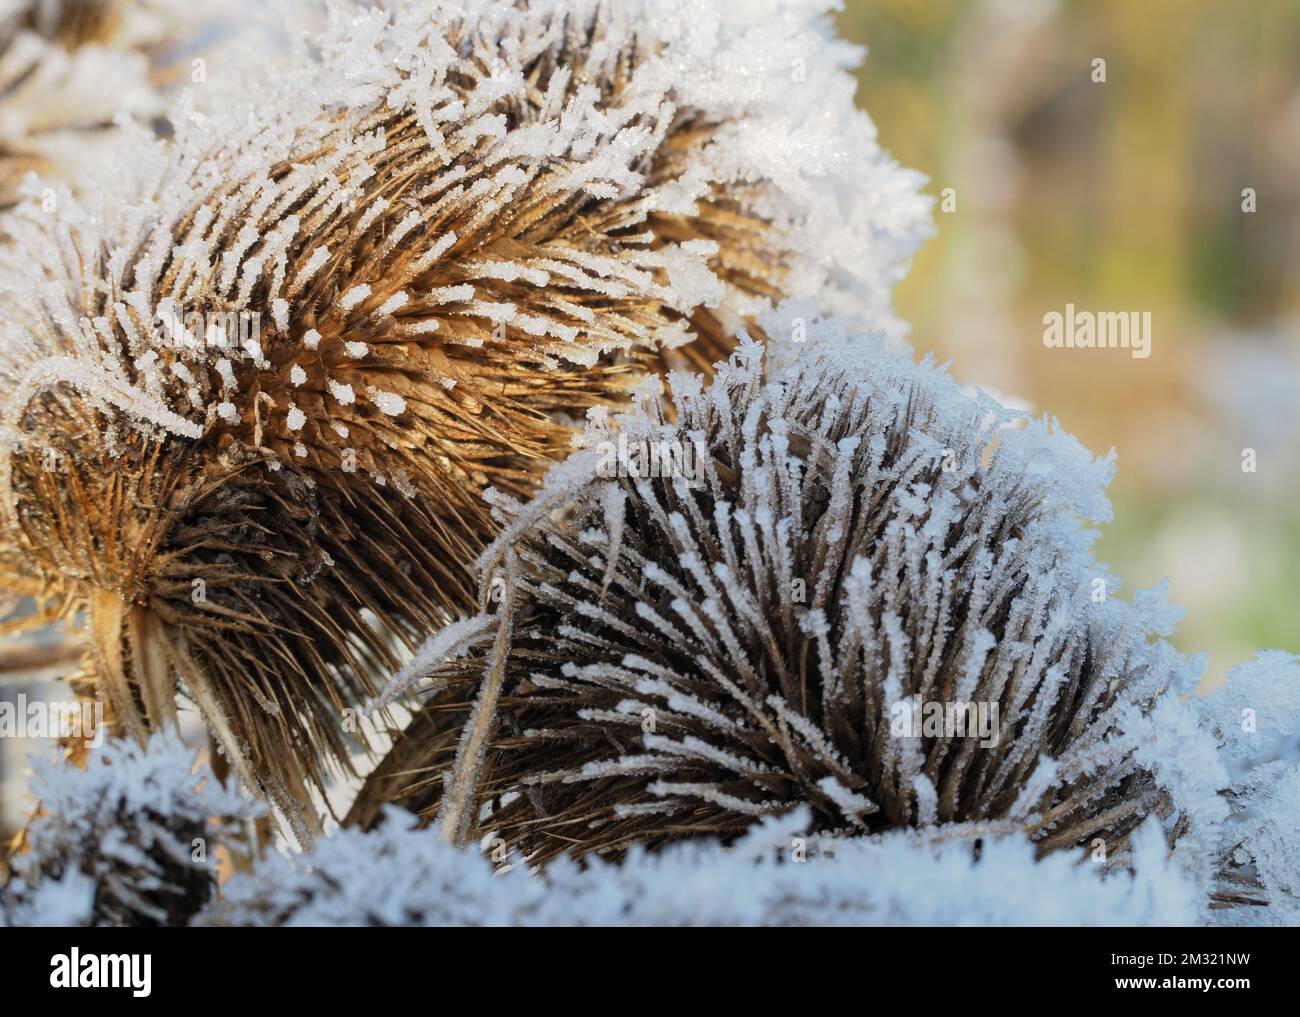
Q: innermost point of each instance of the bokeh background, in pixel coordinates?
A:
(1123, 196)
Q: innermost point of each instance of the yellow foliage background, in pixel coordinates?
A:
(1123, 195)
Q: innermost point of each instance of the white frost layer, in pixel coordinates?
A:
(401, 876)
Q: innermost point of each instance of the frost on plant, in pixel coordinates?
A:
(775, 875)
(128, 841)
(873, 594)
(1256, 716)
(344, 388)
(268, 365)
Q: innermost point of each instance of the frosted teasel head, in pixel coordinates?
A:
(1255, 718)
(686, 660)
(131, 840)
(459, 230)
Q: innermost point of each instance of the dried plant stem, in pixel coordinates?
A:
(456, 818)
(28, 662)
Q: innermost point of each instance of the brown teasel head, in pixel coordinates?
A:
(256, 385)
(766, 623)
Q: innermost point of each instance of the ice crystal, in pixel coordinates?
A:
(1256, 714)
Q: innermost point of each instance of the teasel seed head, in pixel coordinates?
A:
(258, 378)
(130, 840)
(833, 544)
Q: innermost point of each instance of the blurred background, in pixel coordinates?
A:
(1122, 195)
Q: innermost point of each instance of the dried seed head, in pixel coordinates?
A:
(258, 380)
(837, 580)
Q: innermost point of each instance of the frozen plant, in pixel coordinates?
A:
(668, 656)
(130, 840)
(255, 382)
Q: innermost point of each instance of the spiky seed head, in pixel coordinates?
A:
(131, 840)
(258, 380)
(757, 596)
